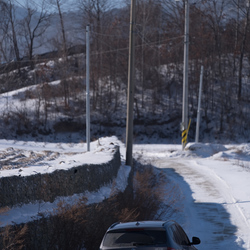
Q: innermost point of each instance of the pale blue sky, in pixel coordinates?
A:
(69, 6)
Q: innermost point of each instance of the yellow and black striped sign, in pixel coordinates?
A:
(185, 134)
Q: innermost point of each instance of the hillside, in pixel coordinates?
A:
(50, 87)
(51, 108)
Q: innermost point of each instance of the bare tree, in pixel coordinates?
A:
(9, 28)
(5, 42)
(97, 13)
(244, 13)
(58, 4)
(215, 15)
(34, 26)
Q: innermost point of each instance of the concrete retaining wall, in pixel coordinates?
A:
(46, 187)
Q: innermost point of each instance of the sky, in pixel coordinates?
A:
(69, 6)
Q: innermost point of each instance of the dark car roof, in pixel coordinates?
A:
(139, 224)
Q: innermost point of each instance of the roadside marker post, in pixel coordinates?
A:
(185, 135)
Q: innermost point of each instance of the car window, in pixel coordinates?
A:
(179, 235)
(133, 237)
(176, 236)
(183, 237)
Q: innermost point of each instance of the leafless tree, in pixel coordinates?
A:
(35, 24)
(9, 29)
(97, 14)
(244, 22)
(58, 4)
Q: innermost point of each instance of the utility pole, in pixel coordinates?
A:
(184, 124)
(87, 90)
(130, 97)
(199, 107)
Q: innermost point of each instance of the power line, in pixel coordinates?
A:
(46, 1)
(116, 50)
(159, 43)
(106, 35)
(20, 4)
(35, 3)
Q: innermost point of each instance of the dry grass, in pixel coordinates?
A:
(14, 237)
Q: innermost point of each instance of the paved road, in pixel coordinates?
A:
(209, 209)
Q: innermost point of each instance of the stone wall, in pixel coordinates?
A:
(46, 187)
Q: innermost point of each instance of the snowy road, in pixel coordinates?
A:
(215, 193)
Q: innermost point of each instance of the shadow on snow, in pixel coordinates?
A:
(208, 221)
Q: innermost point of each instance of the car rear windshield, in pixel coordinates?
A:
(136, 237)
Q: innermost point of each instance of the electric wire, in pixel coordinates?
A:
(20, 4)
(106, 35)
(118, 50)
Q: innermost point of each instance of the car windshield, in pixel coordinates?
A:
(135, 237)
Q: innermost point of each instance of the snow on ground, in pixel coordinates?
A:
(213, 183)
(215, 189)
(29, 158)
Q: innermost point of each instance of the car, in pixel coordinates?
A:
(157, 235)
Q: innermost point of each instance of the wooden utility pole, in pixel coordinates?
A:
(130, 98)
(184, 125)
(199, 107)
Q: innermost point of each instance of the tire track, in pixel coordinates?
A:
(217, 212)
